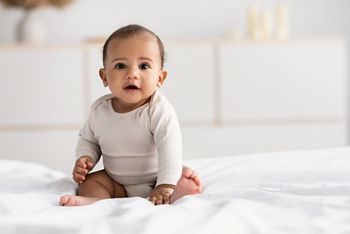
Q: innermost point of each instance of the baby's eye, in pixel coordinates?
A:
(144, 66)
(120, 66)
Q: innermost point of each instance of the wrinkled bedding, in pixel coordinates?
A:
(281, 192)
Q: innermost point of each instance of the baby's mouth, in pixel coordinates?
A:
(131, 87)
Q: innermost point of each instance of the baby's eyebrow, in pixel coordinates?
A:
(146, 58)
(117, 59)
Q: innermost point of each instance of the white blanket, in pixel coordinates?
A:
(283, 192)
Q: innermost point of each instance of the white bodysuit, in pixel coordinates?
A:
(143, 146)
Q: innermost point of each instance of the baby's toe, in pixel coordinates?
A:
(187, 172)
(63, 200)
(197, 181)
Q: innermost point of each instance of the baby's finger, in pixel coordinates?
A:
(81, 171)
(75, 172)
(89, 165)
(153, 200)
(159, 200)
(166, 198)
(78, 181)
(78, 178)
(81, 163)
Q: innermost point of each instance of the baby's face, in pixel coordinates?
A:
(133, 70)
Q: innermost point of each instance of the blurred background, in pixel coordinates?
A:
(244, 76)
(183, 19)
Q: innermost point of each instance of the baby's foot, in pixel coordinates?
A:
(72, 200)
(189, 183)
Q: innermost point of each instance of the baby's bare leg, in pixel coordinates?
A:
(97, 186)
(189, 183)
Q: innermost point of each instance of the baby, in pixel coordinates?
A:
(134, 128)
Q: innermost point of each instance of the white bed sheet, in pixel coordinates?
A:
(282, 192)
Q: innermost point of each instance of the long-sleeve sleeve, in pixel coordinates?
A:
(168, 140)
(87, 143)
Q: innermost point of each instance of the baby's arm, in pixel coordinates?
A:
(82, 167)
(161, 194)
(167, 137)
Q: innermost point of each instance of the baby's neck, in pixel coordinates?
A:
(122, 107)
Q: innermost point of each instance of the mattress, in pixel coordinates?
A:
(282, 192)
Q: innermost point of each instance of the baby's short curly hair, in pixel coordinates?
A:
(131, 30)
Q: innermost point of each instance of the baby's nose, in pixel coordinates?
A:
(132, 73)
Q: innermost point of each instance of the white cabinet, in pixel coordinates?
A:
(283, 81)
(42, 96)
(276, 96)
(41, 85)
(93, 63)
(266, 96)
(236, 139)
(51, 147)
(190, 83)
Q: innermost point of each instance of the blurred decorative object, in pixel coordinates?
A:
(33, 4)
(282, 22)
(266, 25)
(261, 22)
(29, 28)
(254, 29)
(233, 35)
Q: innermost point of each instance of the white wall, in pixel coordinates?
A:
(177, 19)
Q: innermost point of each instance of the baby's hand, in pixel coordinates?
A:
(161, 194)
(82, 167)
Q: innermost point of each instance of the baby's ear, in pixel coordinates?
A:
(162, 76)
(103, 77)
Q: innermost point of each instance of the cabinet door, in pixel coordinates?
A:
(41, 85)
(190, 83)
(52, 148)
(291, 80)
(209, 141)
(93, 63)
